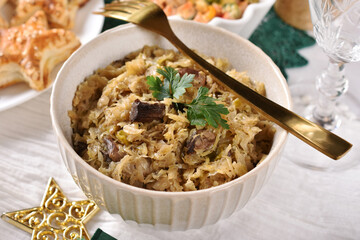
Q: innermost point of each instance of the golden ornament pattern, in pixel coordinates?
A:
(57, 218)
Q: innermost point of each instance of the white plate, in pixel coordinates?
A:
(87, 26)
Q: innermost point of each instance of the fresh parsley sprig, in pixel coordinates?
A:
(203, 109)
(172, 87)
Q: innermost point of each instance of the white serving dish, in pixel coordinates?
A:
(247, 24)
(165, 210)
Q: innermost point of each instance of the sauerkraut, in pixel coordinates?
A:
(165, 153)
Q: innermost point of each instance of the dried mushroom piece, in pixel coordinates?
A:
(146, 112)
(199, 77)
(113, 152)
(199, 144)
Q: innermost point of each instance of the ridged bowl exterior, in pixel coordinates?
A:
(165, 210)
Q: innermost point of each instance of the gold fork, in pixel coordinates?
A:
(148, 15)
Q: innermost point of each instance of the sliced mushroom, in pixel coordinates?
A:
(199, 79)
(146, 112)
(112, 152)
(199, 144)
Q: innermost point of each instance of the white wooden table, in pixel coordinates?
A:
(297, 203)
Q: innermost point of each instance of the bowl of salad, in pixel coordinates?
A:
(238, 16)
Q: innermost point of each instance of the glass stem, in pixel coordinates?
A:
(331, 84)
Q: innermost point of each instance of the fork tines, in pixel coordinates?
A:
(134, 11)
(127, 3)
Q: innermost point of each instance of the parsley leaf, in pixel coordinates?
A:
(172, 87)
(161, 90)
(203, 109)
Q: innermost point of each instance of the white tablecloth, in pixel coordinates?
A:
(296, 203)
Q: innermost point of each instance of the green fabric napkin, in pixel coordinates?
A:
(281, 41)
(101, 235)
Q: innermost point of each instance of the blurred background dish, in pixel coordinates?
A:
(87, 26)
(248, 22)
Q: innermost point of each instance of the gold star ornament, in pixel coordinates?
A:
(56, 218)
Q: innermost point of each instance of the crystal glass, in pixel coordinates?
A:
(337, 32)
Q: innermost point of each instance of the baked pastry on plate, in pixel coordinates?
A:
(29, 52)
(60, 13)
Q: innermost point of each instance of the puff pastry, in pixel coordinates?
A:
(3, 23)
(29, 52)
(60, 13)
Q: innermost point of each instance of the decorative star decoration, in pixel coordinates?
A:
(56, 218)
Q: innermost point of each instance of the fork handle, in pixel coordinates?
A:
(312, 134)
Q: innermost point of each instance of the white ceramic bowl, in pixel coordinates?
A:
(165, 210)
(246, 25)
